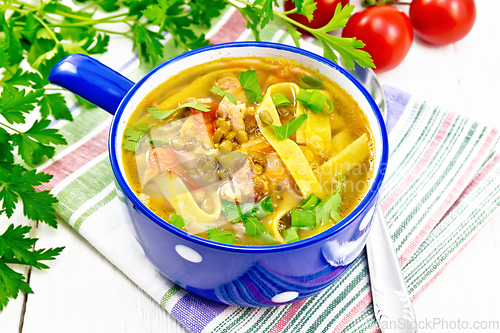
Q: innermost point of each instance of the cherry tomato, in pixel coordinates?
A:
(322, 15)
(442, 22)
(386, 31)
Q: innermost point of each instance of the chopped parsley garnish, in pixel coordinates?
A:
(256, 230)
(315, 101)
(162, 114)
(291, 235)
(310, 82)
(223, 94)
(177, 221)
(250, 215)
(235, 212)
(280, 99)
(133, 135)
(220, 236)
(329, 207)
(284, 131)
(250, 83)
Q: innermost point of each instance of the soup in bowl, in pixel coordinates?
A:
(250, 170)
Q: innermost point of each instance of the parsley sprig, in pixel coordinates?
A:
(17, 248)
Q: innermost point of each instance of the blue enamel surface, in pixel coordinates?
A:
(241, 275)
(91, 80)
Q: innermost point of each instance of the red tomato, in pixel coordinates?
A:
(386, 31)
(442, 22)
(322, 15)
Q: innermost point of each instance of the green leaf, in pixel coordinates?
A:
(223, 94)
(55, 105)
(256, 230)
(284, 131)
(12, 48)
(266, 13)
(12, 283)
(252, 17)
(16, 248)
(33, 144)
(294, 33)
(339, 19)
(147, 44)
(15, 102)
(23, 78)
(220, 236)
(177, 221)
(263, 208)
(101, 44)
(133, 135)
(129, 145)
(162, 114)
(329, 207)
(20, 183)
(307, 9)
(44, 135)
(250, 83)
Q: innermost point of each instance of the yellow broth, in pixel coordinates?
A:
(198, 165)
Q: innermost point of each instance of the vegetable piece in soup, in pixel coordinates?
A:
(249, 151)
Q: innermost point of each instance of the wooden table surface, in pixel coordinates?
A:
(463, 77)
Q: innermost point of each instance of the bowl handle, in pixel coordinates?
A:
(92, 80)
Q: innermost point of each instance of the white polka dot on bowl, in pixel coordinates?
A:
(188, 253)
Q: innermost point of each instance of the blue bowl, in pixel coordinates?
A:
(236, 275)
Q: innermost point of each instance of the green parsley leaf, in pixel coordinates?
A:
(220, 236)
(256, 230)
(284, 131)
(327, 208)
(350, 49)
(100, 46)
(177, 221)
(55, 105)
(250, 83)
(162, 114)
(306, 8)
(33, 144)
(20, 183)
(223, 94)
(294, 33)
(15, 248)
(263, 208)
(266, 13)
(291, 235)
(234, 212)
(15, 102)
(132, 136)
(147, 44)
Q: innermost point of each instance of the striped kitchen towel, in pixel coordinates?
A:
(441, 188)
